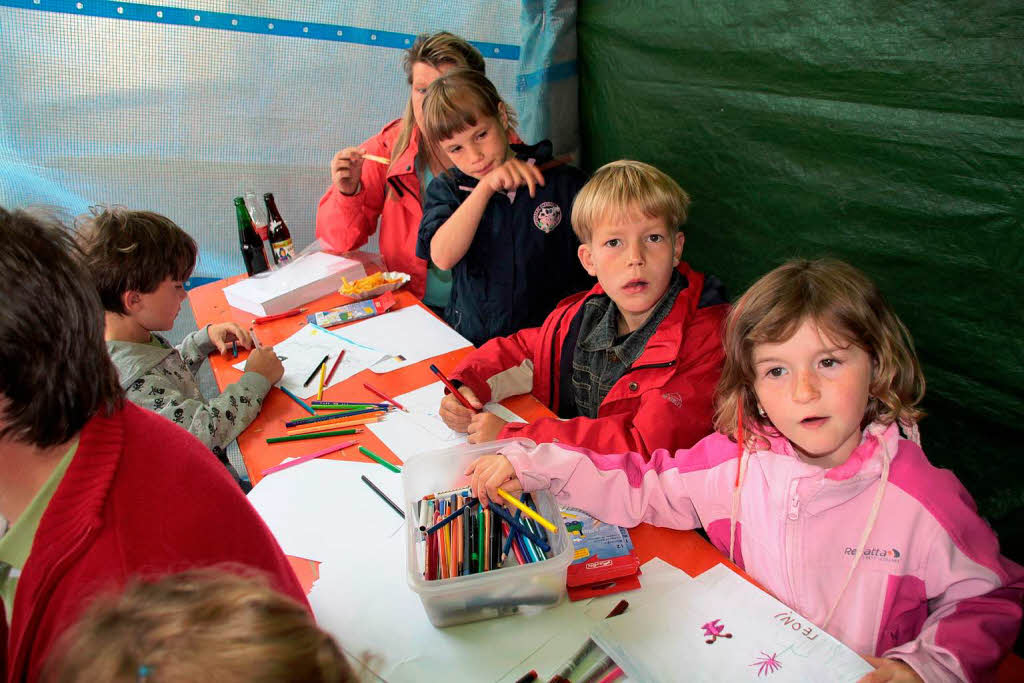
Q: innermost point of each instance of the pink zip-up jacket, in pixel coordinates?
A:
(885, 552)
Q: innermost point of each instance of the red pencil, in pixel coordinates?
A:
(385, 397)
(334, 367)
(278, 316)
(451, 387)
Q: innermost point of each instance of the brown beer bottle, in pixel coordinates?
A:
(280, 236)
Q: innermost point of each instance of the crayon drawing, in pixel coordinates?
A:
(767, 663)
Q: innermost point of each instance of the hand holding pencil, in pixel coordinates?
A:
(489, 472)
(455, 413)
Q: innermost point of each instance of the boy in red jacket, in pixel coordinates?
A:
(633, 362)
(93, 489)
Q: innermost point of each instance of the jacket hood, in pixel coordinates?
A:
(134, 360)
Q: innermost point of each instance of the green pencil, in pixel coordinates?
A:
(373, 456)
(318, 435)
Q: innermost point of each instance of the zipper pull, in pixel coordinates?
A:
(794, 501)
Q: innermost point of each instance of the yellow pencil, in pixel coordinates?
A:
(527, 510)
(323, 374)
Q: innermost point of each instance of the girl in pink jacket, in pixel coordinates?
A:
(815, 482)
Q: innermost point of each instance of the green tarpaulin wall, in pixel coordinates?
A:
(890, 135)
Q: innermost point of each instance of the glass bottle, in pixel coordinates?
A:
(249, 242)
(280, 236)
(260, 223)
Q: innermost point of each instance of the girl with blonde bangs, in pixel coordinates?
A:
(365, 191)
(815, 483)
(495, 218)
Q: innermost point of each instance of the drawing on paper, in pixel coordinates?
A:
(767, 663)
(714, 630)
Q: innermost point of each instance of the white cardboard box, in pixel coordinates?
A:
(308, 278)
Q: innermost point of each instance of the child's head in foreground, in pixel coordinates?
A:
(139, 261)
(199, 625)
(628, 218)
(814, 353)
(465, 118)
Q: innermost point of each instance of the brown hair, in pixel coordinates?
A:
(847, 305)
(133, 251)
(624, 186)
(457, 100)
(199, 625)
(436, 50)
(55, 371)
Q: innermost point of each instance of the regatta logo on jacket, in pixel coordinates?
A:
(886, 554)
(547, 216)
(674, 398)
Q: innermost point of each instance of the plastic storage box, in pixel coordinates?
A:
(499, 592)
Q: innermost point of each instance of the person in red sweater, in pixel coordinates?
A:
(364, 191)
(94, 490)
(632, 363)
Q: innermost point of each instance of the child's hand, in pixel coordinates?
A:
(889, 670)
(484, 427)
(511, 175)
(489, 472)
(456, 415)
(265, 362)
(222, 334)
(347, 169)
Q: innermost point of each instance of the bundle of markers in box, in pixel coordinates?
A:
(463, 538)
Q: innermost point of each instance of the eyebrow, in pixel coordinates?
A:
(826, 350)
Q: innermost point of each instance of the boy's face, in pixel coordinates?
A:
(157, 310)
(633, 258)
(479, 149)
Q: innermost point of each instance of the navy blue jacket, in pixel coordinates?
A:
(523, 259)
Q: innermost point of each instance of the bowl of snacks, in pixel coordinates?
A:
(373, 285)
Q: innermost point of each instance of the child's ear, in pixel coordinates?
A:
(587, 259)
(130, 300)
(677, 250)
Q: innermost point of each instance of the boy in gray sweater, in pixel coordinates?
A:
(139, 261)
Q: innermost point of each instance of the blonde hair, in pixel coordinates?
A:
(458, 100)
(435, 50)
(198, 625)
(622, 187)
(848, 307)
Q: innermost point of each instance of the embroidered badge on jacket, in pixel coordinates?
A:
(547, 216)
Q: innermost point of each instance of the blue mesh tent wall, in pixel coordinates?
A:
(887, 134)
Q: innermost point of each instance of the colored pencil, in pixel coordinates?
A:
(598, 670)
(613, 675)
(305, 458)
(255, 340)
(565, 671)
(450, 517)
(451, 387)
(324, 417)
(323, 375)
(278, 316)
(234, 348)
(378, 159)
(373, 456)
(319, 435)
(348, 405)
(520, 527)
(298, 400)
(385, 397)
(315, 370)
(337, 362)
(383, 496)
(515, 502)
(528, 677)
(329, 426)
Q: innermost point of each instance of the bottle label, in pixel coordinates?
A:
(285, 250)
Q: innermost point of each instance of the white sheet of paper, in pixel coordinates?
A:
(367, 605)
(301, 352)
(412, 332)
(658, 641)
(422, 429)
(321, 510)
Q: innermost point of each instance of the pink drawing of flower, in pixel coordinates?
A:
(767, 664)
